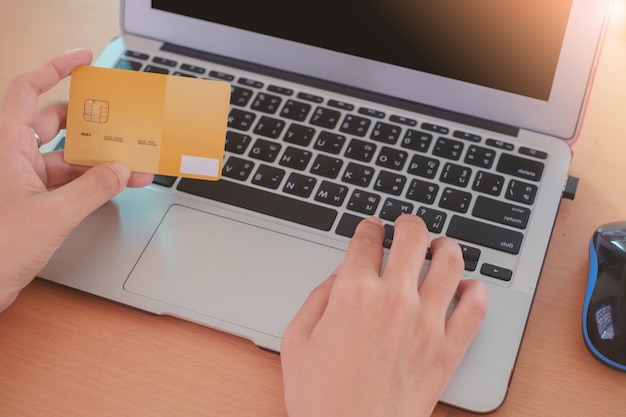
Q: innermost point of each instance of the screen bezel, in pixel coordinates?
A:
(559, 116)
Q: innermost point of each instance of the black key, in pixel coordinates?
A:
(329, 142)
(422, 191)
(250, 83)
(435, 128)
(386, 133)
(496, 272)
(347, 225)
(455, 174)
(237, 142)
(416, 140)
(470, 257)
(501, 212)
(448, 148)
(310, 97)
(164, 61)
(300, 185)
(488, 183)
(269, 127)
(192, 68)
(388, 239)
(240, 119)
(261, 201)
(267, 103)
(331, 193)
(183, 74)
(392, 158)
(533, 152)
(521, 192)
(164, 180)
(324, 117)
(470, 253)
(240, 96)
(295, 110)
(295, 158)
(280, 90)
(264, 150)
(355, 125)
(357, 174)
(434, 219)
(341, 105)
(500, 144)
(479, 156)
(156, 70)
(484, 234)
(392, 209)
(326, 166)
(371, 112)
(300, 135)
(466, 136)
(390, 183)
(267, 176)
(363, 202)
(403, 120)
(221, 75)
(136, 55)
(237, 168)
(470, 265)
(360, 150)
(520, 167)
(423, 166)
(456, 200)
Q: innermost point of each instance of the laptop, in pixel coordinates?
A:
(460, 112)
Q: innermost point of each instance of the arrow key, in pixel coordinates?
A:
(496, 272)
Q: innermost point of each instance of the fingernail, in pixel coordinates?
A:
(374, 220)
(122, 171)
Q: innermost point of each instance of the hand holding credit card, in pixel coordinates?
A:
(154, 123)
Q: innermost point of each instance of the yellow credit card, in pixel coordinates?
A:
(154, 123)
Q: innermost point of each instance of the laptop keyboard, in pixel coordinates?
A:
(326, 163)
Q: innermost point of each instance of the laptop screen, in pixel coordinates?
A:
(508, 46)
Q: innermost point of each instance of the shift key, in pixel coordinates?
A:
(485, 234)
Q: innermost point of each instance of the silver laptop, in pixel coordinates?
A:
(460, 112)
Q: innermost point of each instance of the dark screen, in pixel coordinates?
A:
(507, 45)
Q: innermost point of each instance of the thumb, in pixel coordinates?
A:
(91, 190)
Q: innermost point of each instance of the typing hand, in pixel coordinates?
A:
(42, 197)
(368, 341)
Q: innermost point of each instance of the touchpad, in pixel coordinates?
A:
(230, 270)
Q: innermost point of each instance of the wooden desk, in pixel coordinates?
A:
(69, 354)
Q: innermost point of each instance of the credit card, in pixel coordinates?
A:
(154, 123)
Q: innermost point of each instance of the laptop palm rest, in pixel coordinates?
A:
(229, 270)
(250, 281)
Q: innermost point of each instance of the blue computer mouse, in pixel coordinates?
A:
(604, 313)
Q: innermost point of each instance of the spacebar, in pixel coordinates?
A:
(261, 201)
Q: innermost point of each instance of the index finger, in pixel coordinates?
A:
(20, 102)
(365, 251)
